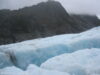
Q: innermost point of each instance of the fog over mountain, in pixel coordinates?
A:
(72, 6)
(42, 20)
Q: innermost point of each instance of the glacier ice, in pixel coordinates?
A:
(31, 70)
(82, 62)
(39, 50)
(11, 71)
(73, 54)
(4, 60)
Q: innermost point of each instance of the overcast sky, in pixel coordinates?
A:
(73, 6)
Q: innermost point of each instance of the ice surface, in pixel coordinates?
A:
(82, 62)
(12, 71)
(39, 50)
(31, 70)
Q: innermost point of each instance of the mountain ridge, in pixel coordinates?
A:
(41, 20)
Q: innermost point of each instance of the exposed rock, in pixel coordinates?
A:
(41, 20)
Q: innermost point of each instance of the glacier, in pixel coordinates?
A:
(67, 54)
(31, 70)
(5, 60)
(82, 62)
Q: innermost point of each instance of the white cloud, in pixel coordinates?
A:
(73, 6)
(16, 4)
(82, 6)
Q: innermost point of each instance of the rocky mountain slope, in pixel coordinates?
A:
(41, 20)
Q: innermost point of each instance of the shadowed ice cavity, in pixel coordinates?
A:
(5, 60)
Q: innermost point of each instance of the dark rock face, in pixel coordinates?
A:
(45, 19)
(86, 21)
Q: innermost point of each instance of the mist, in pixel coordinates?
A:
(72, 6)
